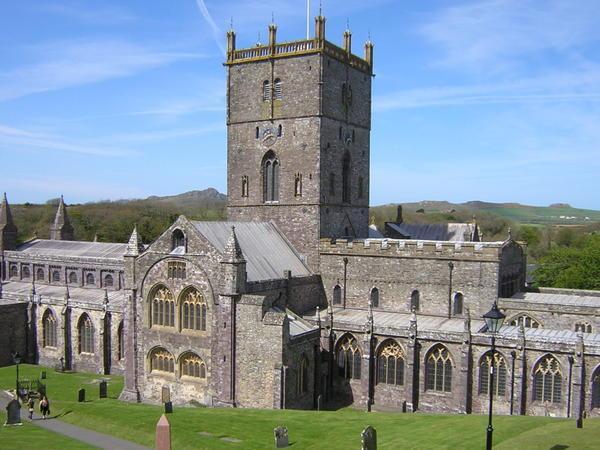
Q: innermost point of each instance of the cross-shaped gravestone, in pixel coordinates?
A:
(13, 413)
(103, 389)
(369, 438)
(281, 437)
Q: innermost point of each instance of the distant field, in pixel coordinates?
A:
(204, 428)
(547, 215)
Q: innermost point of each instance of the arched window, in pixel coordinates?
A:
(25, 272)
(72, 277)
(49, 329)
(161, 361)
(162, 307)
(279, 130)
(270, 177)
(415, 300)
(278, 94)
(438, 370)
(244, 185)
(346, 178)
(302, 380)
(85, 329)
(458, 304)
(55, 276)
(120, 342)
(337, 295)
(14, 270)
(193, 310)
(500, 372)
(178, 240)
(90, 279)
(39, 274)
(584, 327)
(527, 321)
(547, 380)
(298, 185)
(390, 364)
(266, 91)
(108, 280)
(257, 133)
(374, 297)
(349, 358)
(596, 389)
(360, 187)
(191, 365)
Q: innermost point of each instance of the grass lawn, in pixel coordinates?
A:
(203, 427)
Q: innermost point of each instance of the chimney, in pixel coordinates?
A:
(399, 218)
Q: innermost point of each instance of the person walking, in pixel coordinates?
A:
(45, 407)
(30, 407)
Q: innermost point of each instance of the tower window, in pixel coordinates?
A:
(360, 187)
(266, 91)
(458, 304)
(298, 185)
(257, 133)
(346, 178)
(415, 300)
(337, 295)
(271, 178)
(374, 297)
(245, 186)
(278, 89)
(332, 183)
(279, 131)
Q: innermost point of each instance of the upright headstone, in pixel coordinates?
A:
(319, 402)
(166, 394)
(369, 438)
(281, 437)
(163, 434)
(43, 375)
(13, 413)
(81, 395)
(168, 408)
(103, 389)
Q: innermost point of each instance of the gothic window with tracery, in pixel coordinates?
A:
(349, 358)
(86, 334)
(438, 370)
(302, 380)
(193, 311)
(390, 364)
(271, 177)
(458, 303)
(547, 380)
(337, 295)
(415, 299)
(500, 372)
(526, 321)
(163, 308)
(162, 361)
(49, 329)
(192, 366)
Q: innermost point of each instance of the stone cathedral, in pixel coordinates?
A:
(296, 298)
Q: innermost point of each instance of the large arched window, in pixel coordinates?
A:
(178, 240)
(161, 361)
(73, 277)
(374, 297)
(85, 330)
(39, 274)
(415, 300)
(438, 370)
(526, 321)
(49, 329)
(25, 272)
(547, 380)
(346, 178)
(270, 177)
(302, 380)
(193, 310)
(120, 342)
(90, 279)
(349, 357)
(278, 89)
(500, 372)
(337, 295)
(596, 388)
(108, 280)
(191, 365)
(162, 307)
(266, 91)
(458, 304)
(390, 364)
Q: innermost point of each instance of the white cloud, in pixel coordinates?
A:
(67, 64)
(215, 30)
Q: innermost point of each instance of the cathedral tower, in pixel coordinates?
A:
(298, 137)
(8, 230)
(61, 229)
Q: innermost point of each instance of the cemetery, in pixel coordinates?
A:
(90, 401)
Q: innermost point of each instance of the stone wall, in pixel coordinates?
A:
(13, 322)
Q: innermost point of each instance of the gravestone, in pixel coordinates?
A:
(81, 395)
(319, 402)
(163, 434)
(166, 394)
(369, 438)
(13, 413)
(43, 375)
(281, 437)
(103, 389)
(168, 408)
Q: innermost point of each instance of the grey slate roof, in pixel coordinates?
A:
(551, 335)
(435, 231)
(266, 251)
(81, 249)
(555, 299)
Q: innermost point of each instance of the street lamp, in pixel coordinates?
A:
(17, 360)
(494, 320)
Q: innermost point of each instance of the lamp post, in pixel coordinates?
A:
(494, 320)
(17, 360)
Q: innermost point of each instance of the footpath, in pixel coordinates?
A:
(90, 437)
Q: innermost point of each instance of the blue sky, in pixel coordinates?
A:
(489, 100)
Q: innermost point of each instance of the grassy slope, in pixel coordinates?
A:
(308, 430)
